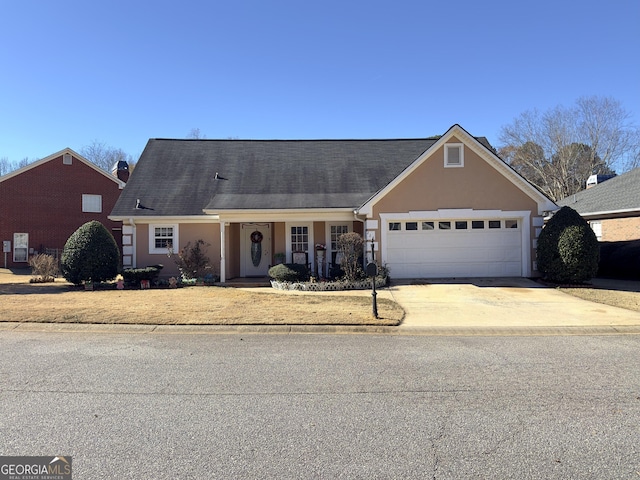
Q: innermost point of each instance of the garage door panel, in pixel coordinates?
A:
(431, 255)
(451, 253)
(445, 270)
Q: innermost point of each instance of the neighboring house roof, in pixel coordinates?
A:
(177, 178)
(58, 155)
(617, 196)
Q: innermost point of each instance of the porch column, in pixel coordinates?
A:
(223, 249)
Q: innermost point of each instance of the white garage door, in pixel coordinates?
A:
(454, 248)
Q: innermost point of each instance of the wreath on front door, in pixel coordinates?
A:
(256, 248)
(256, 237)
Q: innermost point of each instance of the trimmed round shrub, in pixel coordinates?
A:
(90, 254)
(568, 250)
(289, 272)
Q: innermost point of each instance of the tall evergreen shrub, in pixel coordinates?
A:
(90, 254)
(568, 250)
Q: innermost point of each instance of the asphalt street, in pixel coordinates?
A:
(162, 406)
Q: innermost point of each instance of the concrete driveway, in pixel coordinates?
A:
(502, 303)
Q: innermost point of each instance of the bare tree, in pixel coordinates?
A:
(607, 128)
(195, 134)
(7, 166)
(25, 161)
(104, 156)
(4, 166)
(559, 149)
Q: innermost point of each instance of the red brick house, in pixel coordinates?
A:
(612, 208)
(42, 204)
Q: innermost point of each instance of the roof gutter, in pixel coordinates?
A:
(631, 212)
(167, 219)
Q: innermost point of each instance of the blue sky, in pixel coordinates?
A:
(122, 72)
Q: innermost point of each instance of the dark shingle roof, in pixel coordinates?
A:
(619, 193)
(176, 177)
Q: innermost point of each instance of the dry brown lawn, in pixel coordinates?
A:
(618, 293)
(59, 302)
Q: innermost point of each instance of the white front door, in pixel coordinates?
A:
(255, 254)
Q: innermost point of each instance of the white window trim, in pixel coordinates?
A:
(310, 245)
(88, 200)
(152, 238)
(447, 146)
(15, 247)
(337, 224)
(596, 226)
(328, 235)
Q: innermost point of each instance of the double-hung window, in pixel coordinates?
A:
(336, 231)
(163, 237)
(300, 239)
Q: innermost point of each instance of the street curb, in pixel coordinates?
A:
(320, 329)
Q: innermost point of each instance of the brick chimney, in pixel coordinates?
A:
(594, 180)
(121, 170)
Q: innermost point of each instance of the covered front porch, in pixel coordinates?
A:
(250, 246)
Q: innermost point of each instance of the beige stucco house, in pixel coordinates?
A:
(436, 207)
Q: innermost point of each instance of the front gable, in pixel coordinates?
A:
(457, 172)
(61, 164)
(44, 202)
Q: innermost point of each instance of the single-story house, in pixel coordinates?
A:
(612, 207)
(444, 206)
(43, 203)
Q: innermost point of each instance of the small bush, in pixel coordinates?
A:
(44, 268)
(351, 245)
(133, 276)
(289, 272)
(568, 250)
(90, 254)
(192, 261)
(335, 271)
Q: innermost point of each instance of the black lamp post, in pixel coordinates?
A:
(372, 271)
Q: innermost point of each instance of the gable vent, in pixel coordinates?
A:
(454, 155)
(66, 159)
